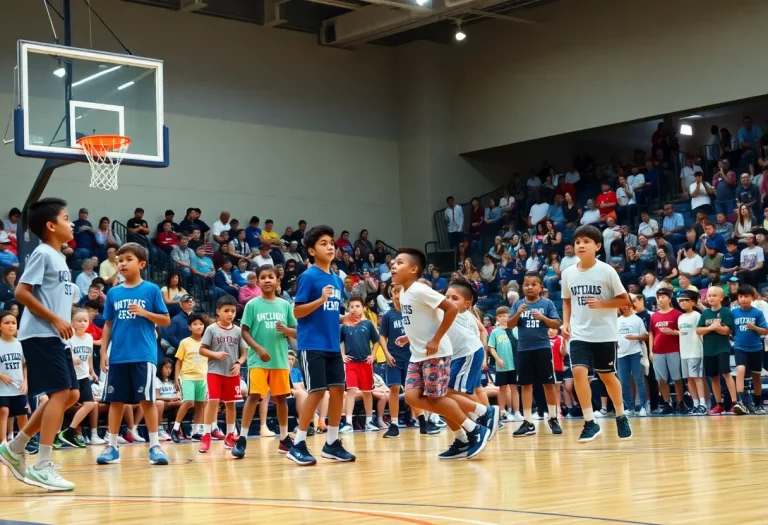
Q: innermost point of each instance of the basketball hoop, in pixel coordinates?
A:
(104, 153)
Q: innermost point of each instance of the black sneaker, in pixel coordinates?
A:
(285, 445)
(478, 439)
(554, 426)
(590, 431)
(300, 455)
(423, 428)
(666, 410)
(525, 429)
(739, 409)
(490, 420)
(175, 436)
(67, 436)
(311, 430)
(622, 427)
(392, 432)
(432, 429)
(457, 450)
(336, 451)
(683, 409)
(197, 437)
(238, 450)
(750, 408)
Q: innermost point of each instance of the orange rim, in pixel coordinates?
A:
(100, 144)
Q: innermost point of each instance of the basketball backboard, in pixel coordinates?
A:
(66, 93)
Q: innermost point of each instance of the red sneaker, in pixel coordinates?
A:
(128, 436)
(733, 409)
(217, 434)
(717, 410)
(230, 440)
(205, 444)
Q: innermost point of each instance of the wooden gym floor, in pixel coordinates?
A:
(678, 470)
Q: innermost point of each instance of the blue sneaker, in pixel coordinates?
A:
(591, 430)
(157, 456)
(457, 450)
(490, 420)
(238, 451)
(336, 451)
(478, 438)
(109, 456)
(300, 455)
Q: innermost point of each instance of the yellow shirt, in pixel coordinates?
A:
(107, 269)
(379, 357)
(194, 367)
(269, 237)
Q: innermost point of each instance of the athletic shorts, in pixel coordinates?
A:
(535, 366)
(194, 390)
(86, 392)
(130, 383)
(717, 365)
(322, 369)
(506, 378)
(49, 365)
(559, 376)
(693, 367)
(224, 388)
(568, 374)
(360, 376)
(752, 361)
(262, 381)
(395, 375)
(467, 372)
(667, 367)
(600, 356)
(430, 375)
(16, 405)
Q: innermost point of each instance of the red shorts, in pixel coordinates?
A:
(360, 376)
(224, 388)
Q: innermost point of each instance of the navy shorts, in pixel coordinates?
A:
(16, 405)
(396, 374)
(322, 369)
(49, 365)
(130, 383)
(467, 372)
(508, 377)
(86, 392)
(601, 356)
(752, 361)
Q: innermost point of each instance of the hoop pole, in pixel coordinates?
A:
(67, 9)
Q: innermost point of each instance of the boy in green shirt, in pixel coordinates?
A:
(715, 326)
(501, 345)
(267, 324)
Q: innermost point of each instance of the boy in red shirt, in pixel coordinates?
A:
(559, 350)
(606, 202)
(664, 351)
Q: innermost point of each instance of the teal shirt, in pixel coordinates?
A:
(500, 341)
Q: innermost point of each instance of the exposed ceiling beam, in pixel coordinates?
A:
(497, 16)
(402, 5)
(337, 3)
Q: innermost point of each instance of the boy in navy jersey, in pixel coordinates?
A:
(132, 311)
(318, 314)
(749, 325)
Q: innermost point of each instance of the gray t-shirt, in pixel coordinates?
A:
(52, 285)
(227, 340)
(11, 359)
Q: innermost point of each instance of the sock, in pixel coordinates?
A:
(283, 432)
(18, 445)
(43, 456)
(480, 410)
(461, 435)
(702, 402)
(176, 426)
(553, 411)
(301, 435)
(473, 416)
(528, 414)
(206, 429)
(94, 433)
(422, 420)
(135, 429)
(230, 428)
(469, 425)
(113, 440)
(695, 403)
(620, 410)
(589, 414)
(332, 435)
(153, 439)
(757, 400)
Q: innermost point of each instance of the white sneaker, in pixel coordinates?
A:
(136, 437)
(518, 417)
(162, 435)
(266, 432)
(371, 427)
(96, 440)
(120, 439)
(642, 413)
(345, 429)
(47, 478)
(603, 412)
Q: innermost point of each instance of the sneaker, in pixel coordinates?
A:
(47, 478)
(457, 450)
(109, 456)
(569, 414)
(732, 410)
(321, 430)
(175, 436)
(490, 420)
(205, 444)
(526, 429)
(285, 445)
(162, 435)
(554, 426)
(701, 410)
(590, 431)
(518, 417)
(80, 442)
(265, 432)
(750, 408)
(433, 429)
(85, 439)
(217, 435)
(67, 437)
(717, 410)
(622, 427)
(32, 448)
(345, 428)
(683, 409)
(336, 451)
(157, 456)
(739, 409)
(371, 427)
(478, 439)
(136, 437)
(439, 421)
(505, 416)
(603, 412)
(238, 451)
(120, 439)
(17, 464)
(392, 432)
(759, 410)
(230, 440)
(311, 430)
(642, 412)
(666, 410)
(96, 440)
(57, 444)
(300, 455)
(197, 438)
(539, 417)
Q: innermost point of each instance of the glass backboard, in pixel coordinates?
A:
(66, 93)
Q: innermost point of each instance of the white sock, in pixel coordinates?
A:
(472, 416)
(18, 445)
(333, 435)
(113, 439)
(176, 426)
(94, 433)
(461, 435)
(43, 456)
(153, 439)
(135, 429)
(703, 402)
(695, 403)
(214, 426)
(301, 435)
(469, 425)
(206, 429)
(589, 415)
(553, 411)
(230, 428)
(200, 429)
(619, 410)
(528, 414)
(283, 432)
(480, 410)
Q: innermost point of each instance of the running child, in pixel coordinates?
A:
(715, 327)
(225, 349)
(190, 373)
(131, 313)
(692, 351)
(533, 317)
(46, 290)
(664, 351)
(266, 325)
(502, 345)
(13, 376)
(749, 325)
(592, 292)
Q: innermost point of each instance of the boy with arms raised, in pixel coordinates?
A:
(715, 326)
(592, 292)
(267, 324)
(749, 325)
(131, 313)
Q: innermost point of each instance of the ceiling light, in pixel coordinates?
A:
(685, 129)
(692, 117)
(61, 72)
(460, 35)
(95, 76)
(126, 85)
(421, 2)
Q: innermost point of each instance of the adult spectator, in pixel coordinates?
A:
(175, 229)
(86, 277)
(178, 330)
(556, 213)
(270, 237)
(666, 266)
(364, 244)
(11, 224)
(723, 227)
(173, 291)
(612, 232)
(662, 242)
(85, 242)
(572, 212)
(476, 218)
(343, 242)
(108, 268)
(379, 255)
(749, 137)
(713, 261)
(221, 225)
(713, 146)
(136, 225)
(224, 280)
(658, 137)
(454, 220)
(239, 248)
(263, 257)
(250, 290)
(606, 201)
(687, 174)
(748, 194)
(293, 253)
(7, 258)
(539, 211)
(591, 215)
(673, 225)
(691, 263)
(626, 201)
(569, 259)
(744, 223)
(710, 237)
(629, 239)
(7, 287)
(636, 181)
(195, 240)
(724, 182)
(701, 193)
(646, 251)
(182, 256)
(648, 227)
(192, 222)
(166, 239)
(651, 180)
(507, 205)
(572, 177)
(105, 236)
(253, 233)
(497, 250)
(202, 266)
(298, 235)
(752, 260)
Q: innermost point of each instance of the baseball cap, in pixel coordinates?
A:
(186, 297)
(4, 239)
(83, 210)
(264, 247)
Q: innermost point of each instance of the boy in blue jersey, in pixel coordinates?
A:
(318, 314)
(533, 317)
(749, 325)
(131, 312)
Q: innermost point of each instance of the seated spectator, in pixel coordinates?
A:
(175, 229)
(379, 254)
(552, 272)
(105, 236)
(691, 263)
(87, 276)
(666, 266)
(178, 330)
(370, 283)
(687, 174)
(606, 202)
(11, 224)
(192, 222)
(633, 266)
(202, 265)
(652, 285)
(690, 237)
(253, 233)
(497, 250)
(137, 226)
(743, 223)
(250, 290)
(85, 242)
(563, 187)
(712, 262)
(182, 256)
(626, 209)
(573, 177)
(173, 291)
(239, 248)
(539, 211)
(591, 215)
(241, 272)
(617, 256)
(7, 287)
(469, 272)
(342, 242)
(507, 205)
(710, 236)
(488, 273)
(108, 268)
(371, 266)
(364, 244)
(224, 280)
(557, 214)
(222, 254)
(572, 212)
(7, 258)
(672, 225)
(749, 195)
(342, 259)
(701, 192)
(723, 227)
(166, 239)
(648, 227)
(293, 254)
(611, 233)
(287, 236)
(730, 264)
(357, 257)
(630, 239)
(525, 264)
(94, 294)
(752, 261)
(552, 239)
(263, 258)
(569, 259)
(684, 284)
(532, 245)
(507, 267)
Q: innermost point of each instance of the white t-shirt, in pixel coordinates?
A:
(630, 325)
(690, 342)
(590, 217)
(650, 291)
(11, 364)
(700, 200)
(532, 264)
(217, 228)
(567, 262)
(260, 261)
(166, 389)
(609, 235)
(690, 265)
(648, 229)
(601, 282)
(538, 212)
(572, 177)
(636, 182)
(687, 174)
(622, 199)
(751, 257)
(464, 335)
(421, 318)
(82, 348)
(506, 202)
(12, 227)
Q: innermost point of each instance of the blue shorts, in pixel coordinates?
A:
(130, 383)
(49, 365)
(467, 372)
(396, 374)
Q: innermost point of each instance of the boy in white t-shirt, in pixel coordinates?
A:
(592, 292)
(692, 351)
(632, 338)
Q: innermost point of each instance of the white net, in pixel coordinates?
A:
(104, 153)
